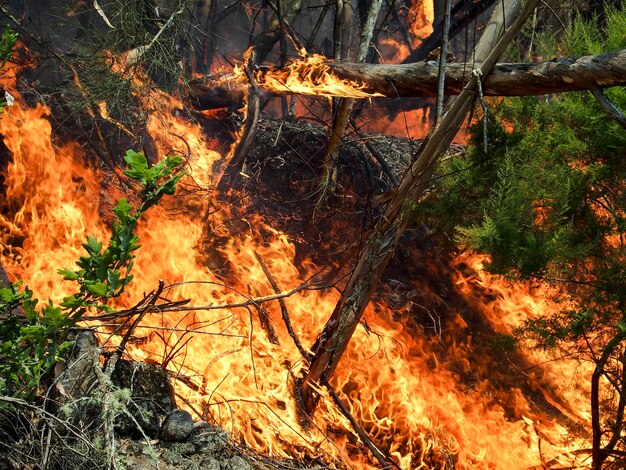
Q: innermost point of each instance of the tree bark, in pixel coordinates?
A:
(380, 247)
(463, 13)
(420, 79)
(555, 76)
(599, 454)
(340, 121)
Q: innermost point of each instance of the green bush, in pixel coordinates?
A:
(548, 201)
(32, 338)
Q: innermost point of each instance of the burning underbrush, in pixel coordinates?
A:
(430, 374)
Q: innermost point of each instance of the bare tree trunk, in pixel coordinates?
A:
(463, 13)
(441, 84)
(340, 122)
(379, 249)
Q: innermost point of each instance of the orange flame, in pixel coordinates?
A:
(310, 76)
(397, 382)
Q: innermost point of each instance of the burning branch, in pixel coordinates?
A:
(385, 461)
(182, 305)
(283, 309)
(420, 79)
(230, 168)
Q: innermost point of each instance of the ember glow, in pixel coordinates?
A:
(409, 391)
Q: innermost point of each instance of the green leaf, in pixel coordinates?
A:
(32, 332)
(105, 308)
(67, 274)
(122, 209)
(113, 278)
(93, 246)
(64, 347)
(7, 295)
(71, 302)
(138, 166)
(98, 288)
(54, 317)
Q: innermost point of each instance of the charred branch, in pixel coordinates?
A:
(283, 309)
(380, 159)
(385, 462)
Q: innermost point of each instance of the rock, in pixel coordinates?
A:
(76, 374)
(177, 427)
(199, 425)
(238, 463)
(151, 398)
(76, 379)
(212, 440)
(210, 464)
(179, 454)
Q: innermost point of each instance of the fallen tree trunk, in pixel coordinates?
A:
(555, 76)
(420, 79)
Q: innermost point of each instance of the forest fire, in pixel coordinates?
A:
(308, 285)
(404, 387)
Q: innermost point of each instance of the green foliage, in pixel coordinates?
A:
(7, 41)
(585, 37)
(32, 339)
(119, 66)
(549, 198)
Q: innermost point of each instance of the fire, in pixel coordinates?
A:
(403, 386)
(310, 76)
(421, 15)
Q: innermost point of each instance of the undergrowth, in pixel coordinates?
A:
(33, 337)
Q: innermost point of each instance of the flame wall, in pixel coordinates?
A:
(403, 385)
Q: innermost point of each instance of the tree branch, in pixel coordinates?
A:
(609, 107)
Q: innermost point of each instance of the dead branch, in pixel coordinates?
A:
(283, 309)
(228, 170)
(266, 323)
(385, 461)
(377, 155)
(611, 110)
(152, 298)
(555, 76)
(182, 305)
